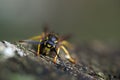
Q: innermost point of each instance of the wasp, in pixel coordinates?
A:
(49, 42)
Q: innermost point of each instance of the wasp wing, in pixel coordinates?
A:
(31, 42)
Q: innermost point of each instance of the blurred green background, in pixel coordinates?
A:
(85, 19)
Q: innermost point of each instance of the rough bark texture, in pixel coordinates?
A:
(95, 61)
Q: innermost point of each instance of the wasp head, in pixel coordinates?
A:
(51, 40)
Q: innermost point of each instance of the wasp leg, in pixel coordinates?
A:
(67, 54)
(67, 44)
(38, 37)
(38, 50)
(55, 58)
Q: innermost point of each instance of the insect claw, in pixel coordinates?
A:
(54, 61)
(38, 54)
(72, 60)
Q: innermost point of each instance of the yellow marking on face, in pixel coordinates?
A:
(48, 45)
(47, 38)
(55, 41)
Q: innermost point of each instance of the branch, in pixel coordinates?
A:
(28, 63)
